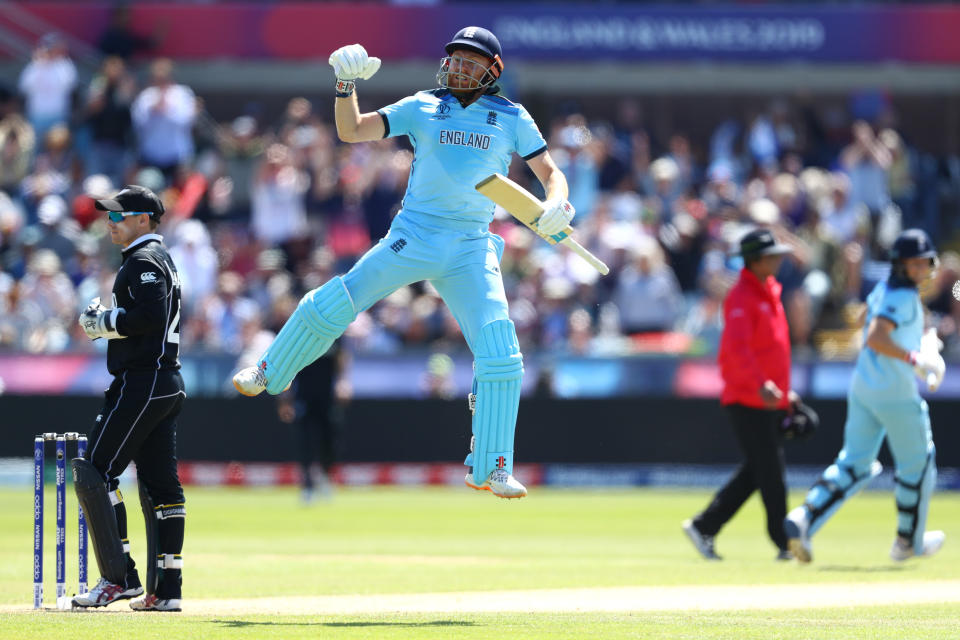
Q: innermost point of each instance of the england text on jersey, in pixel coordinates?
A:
(464, 139)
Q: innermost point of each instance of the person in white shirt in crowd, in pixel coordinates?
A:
(867, 161)
(47, 83)
(196, 260)
(163, 116)
(279, 210)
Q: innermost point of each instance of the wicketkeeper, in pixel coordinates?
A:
(138, 420)
(461, 133)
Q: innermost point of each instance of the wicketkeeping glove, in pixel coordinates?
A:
(100, 322)
(557, 214)
(349, 63)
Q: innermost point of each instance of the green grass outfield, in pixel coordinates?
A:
(258, 543)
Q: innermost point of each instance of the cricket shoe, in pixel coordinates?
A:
(902, 549)
(152, 603)
(250, 381)
(702, 542)
(797, 526)
(499, 483)
(105, 592)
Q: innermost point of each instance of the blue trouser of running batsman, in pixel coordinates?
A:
(906, 425)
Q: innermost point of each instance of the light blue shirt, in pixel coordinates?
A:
(454, 148)
(882, 377)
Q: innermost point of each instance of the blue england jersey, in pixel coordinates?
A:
(454, 148)
(882, 377)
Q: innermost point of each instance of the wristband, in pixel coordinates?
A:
(912, 357)
(345, 88)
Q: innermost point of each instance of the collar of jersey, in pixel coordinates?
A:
(147, 237)
(446, 94)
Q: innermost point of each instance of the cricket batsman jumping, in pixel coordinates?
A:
(461, 133)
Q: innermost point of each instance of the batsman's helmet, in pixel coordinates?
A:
(477, 39)
(481, 41)
(801, 424)
(912, 243)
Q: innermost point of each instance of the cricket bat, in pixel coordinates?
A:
(526, 208)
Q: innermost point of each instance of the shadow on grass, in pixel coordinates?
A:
(234, 624)
(842, 568)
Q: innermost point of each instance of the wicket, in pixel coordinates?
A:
(39, 445)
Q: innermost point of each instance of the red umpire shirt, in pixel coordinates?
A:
(755, 346)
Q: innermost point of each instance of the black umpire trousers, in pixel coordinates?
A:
(138, 423)
(758, 434)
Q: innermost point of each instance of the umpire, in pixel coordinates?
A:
(138, 419)
(755, 365)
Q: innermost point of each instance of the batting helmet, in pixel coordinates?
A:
(801, 424)
(912, 243)
(481, 41)
(477, 39)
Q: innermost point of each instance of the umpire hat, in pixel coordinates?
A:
(760, 242)
(133, 197)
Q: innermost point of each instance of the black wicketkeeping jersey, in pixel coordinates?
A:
(148, 289)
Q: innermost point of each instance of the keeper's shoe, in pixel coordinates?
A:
(499, 483)
(797, 527)
(105, 592)
(250, 381)
(152, 603)
(703, 543)
(902, 549)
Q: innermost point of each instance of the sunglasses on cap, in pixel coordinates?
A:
(118, 216)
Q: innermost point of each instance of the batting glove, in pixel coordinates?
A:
(929, 367)
(557, 214)
(98, 321)
(349, 63)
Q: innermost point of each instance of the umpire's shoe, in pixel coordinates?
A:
(153, 603)
(903, 549)
(797, 526)
(499, 483)
(702, 542)
(105, 592)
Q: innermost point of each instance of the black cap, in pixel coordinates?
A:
(912, 243)
(133, 197)
(760, 242)
(480, 40)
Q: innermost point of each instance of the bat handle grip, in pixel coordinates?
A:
(931, 380)
(578, 249)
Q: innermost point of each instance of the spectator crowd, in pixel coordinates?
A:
(267, 206)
